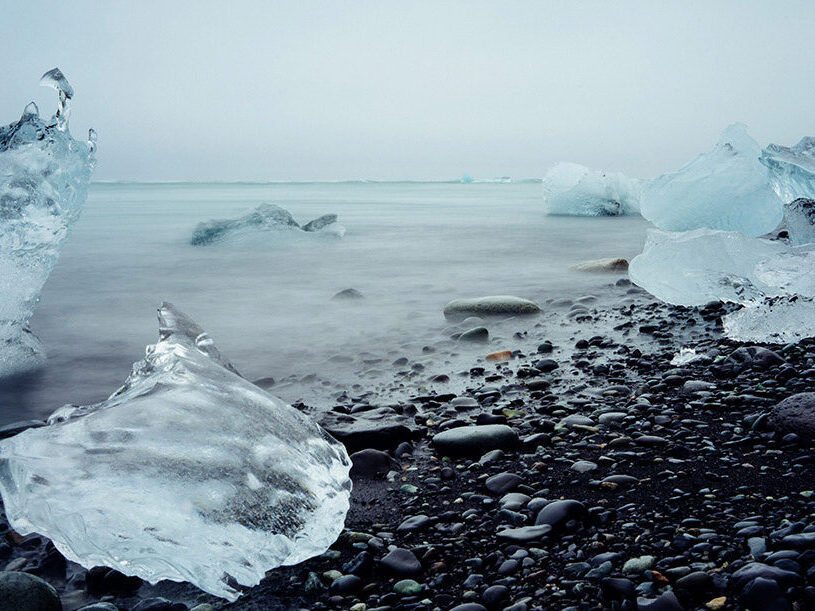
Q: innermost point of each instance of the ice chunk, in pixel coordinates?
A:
(266, 217)
(789, 271)
(800, 217)
(726, 188)
(55, 79)
(326, 224)
(778, 320)
(696, 267)
(792, 169)
(44, 176)
(686, 356)
(188, 472)
(572, 189)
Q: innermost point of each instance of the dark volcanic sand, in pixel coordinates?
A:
(709, 487)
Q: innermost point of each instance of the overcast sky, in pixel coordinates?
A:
(408, 90)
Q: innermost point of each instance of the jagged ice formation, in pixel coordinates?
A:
(44, 175)
(188, 472)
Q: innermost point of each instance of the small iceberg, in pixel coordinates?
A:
(726, 188)
(266, 217)
(188, 472)
(44, 175)
(574, 190)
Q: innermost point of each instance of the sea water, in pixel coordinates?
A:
(410, 248)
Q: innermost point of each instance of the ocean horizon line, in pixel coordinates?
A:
(308, 182)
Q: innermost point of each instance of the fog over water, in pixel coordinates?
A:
(258, 90)
(265, 298)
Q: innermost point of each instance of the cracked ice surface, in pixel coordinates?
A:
(700, 266)
(792, 169)
(188, 472)
(726, 188)
(572, 189)
(779, 320)
(772, 281)
(44, 176)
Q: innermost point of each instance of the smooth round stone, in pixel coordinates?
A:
(407, 587)
(557, 513)
(609, 417)
(795, 414)
(573, 420)
(475, 440)
(638, 565)
(347, 584)
(478, 335)
(401, 562)
(496, 305)
(24, 592)
(583, 466)
(514, 501)
(524, 534)
(464, 403)
(414, 523)
(502, 482)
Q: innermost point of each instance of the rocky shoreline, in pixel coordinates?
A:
(577, 469)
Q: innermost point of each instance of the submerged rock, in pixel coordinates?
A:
(188, 472)
(266, 217)
(44, 175)
(348, 295)
(496, 305)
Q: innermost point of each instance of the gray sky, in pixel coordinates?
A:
(397, 90)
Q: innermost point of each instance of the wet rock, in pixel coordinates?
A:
(524, 534)
(763, 594)
(500, 305)
(379, 428)
(24, 592)
(502, 482)
(795, 414)
(402, 563)
(478, 335)
(475, 440)
(372, 463)
(557, 513)
(614, 265)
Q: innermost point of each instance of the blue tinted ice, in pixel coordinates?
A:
(44, 176)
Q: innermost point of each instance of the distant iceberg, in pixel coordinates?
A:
(726, 188)
(575, 190)
(467, 179)
(266, 217)
(188, 472)
(792, 169)
(44, 176)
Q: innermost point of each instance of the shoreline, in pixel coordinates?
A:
(602, 401)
